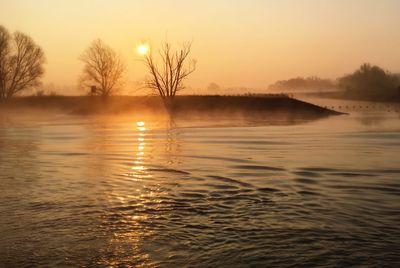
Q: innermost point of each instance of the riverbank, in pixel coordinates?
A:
(263, 106)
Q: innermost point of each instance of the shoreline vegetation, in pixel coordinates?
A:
(184, 106)
(367, 83)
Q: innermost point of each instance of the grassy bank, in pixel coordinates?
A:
(184, 106)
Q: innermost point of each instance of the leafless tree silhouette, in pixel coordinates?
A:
(103, 71)
(21, 63)
(167, 78)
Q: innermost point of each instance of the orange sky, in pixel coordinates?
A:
(237, 43)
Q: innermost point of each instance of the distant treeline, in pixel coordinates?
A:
(368, 82)
(312, 83)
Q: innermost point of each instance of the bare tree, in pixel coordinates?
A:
(167, 78)
(103, 71)
(21, 63)
(4, 52)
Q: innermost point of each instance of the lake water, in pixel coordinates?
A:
(131, 191)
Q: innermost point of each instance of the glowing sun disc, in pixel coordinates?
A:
(142, 49)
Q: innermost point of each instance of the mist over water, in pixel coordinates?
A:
(132, 190)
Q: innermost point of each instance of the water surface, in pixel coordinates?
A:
(131, 191)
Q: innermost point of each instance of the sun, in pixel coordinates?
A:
(143, 49)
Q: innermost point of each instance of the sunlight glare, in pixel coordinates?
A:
(142, 49)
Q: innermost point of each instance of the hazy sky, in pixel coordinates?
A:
(249, 43)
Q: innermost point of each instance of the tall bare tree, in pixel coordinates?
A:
(167, 78)
(4, 52)
(103, 71)
(21, 63)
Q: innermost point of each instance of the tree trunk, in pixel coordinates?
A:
(169, 105)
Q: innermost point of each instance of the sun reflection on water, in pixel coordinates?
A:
(129, 206)
(139, 169)
(140, 123)
(142, 200)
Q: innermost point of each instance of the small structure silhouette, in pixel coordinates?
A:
(93, 90)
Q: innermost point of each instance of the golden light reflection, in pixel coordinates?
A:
(140, 190)
(138, 217)
(139, 168)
